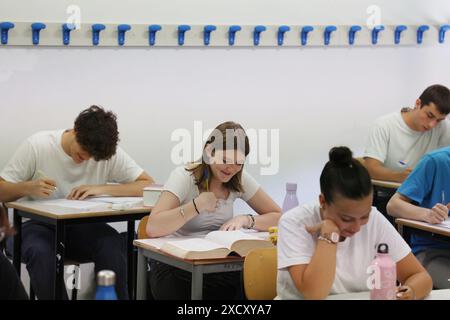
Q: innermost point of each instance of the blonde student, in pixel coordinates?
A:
(326, 248)
(198, 199)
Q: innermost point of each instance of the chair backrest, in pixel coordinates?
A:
(142, 234)
(260, 274)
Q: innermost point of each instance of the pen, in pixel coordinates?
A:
(443, 197)
(41, 175)
(207, 179)
(403, 163)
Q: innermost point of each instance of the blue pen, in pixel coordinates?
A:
(403, 163)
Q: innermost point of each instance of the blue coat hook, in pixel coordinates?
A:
(181, 30)
(66, 28)
(398, 32)
(152, 30)
(257, 34)
(442, 31)
(232, 34)
(327, 34)
(420, 32)
(36, 28)
(121, 29)
(351, 34)
(304, 34)
(281, 31)
(4, 27)
(375, 32)
(96, 28)
(207, 33)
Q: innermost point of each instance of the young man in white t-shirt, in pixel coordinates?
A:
(74, 164)
(398, 140)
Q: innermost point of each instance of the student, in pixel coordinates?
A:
(198, 199)
(312, 264)
(398, 140)
(425, 196)
(74, 163)
(10, 286)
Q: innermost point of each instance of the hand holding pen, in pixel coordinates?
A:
(405, 292)
(439, 212)
(42, 187)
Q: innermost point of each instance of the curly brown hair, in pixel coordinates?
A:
(96, 132)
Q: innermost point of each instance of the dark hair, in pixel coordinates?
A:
(229, 129)
(439, 95)
(345, 176)
(96, 132)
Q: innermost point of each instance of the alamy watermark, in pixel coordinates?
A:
(264, 145)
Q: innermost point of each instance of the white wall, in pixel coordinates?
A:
(316, 97)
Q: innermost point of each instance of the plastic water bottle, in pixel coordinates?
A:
(385, 285)
(106, 279)
(290, 200)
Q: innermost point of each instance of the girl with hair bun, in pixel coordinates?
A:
(326, 248)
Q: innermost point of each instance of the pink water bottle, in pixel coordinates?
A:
(384, 275)
(290, 200)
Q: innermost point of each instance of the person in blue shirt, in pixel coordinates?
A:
(425, 196)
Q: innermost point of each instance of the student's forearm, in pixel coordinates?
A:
(12, 191)
(319, 275)
(421, 284)
(383, 173)
(264, 221)
(399, 208)
(163, 223)
(132, 189)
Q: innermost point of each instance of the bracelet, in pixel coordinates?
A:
(253, 221)
(182, 211)
(193, 201)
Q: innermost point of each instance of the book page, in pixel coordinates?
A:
(195, 244)
(227, 238)
(157, 243)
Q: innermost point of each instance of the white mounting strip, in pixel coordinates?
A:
(21, 35)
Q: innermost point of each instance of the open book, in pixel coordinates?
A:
(216, 244)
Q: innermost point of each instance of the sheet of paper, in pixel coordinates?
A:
(133, 200)
(72, 204)
(445, 224)
(159, 242)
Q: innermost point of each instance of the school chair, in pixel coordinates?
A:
(142, 234)
(260, 274)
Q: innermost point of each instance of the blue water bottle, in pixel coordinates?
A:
(290, 200)
(106, 280)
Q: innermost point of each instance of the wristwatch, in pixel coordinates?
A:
(332, 237)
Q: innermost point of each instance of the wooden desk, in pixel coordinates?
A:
(434, 295)
(61, 217)
(406, 227)
(386, 184)
(197, 268)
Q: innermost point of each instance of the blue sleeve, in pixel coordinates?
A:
(420, 181)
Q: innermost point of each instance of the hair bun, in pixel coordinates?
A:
(341, 156)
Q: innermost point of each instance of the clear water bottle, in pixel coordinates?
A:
(290, 200)
(384, 284)
(106, 279)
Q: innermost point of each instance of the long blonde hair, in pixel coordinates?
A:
(201, 170)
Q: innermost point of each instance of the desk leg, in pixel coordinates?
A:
(197, 283)
(130, 259)
(17, 241)
(59, 259)
(141, 286)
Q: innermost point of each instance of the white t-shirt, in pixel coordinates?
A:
(43, 151)
(297, 246)
(391, 141)
(182, 184)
